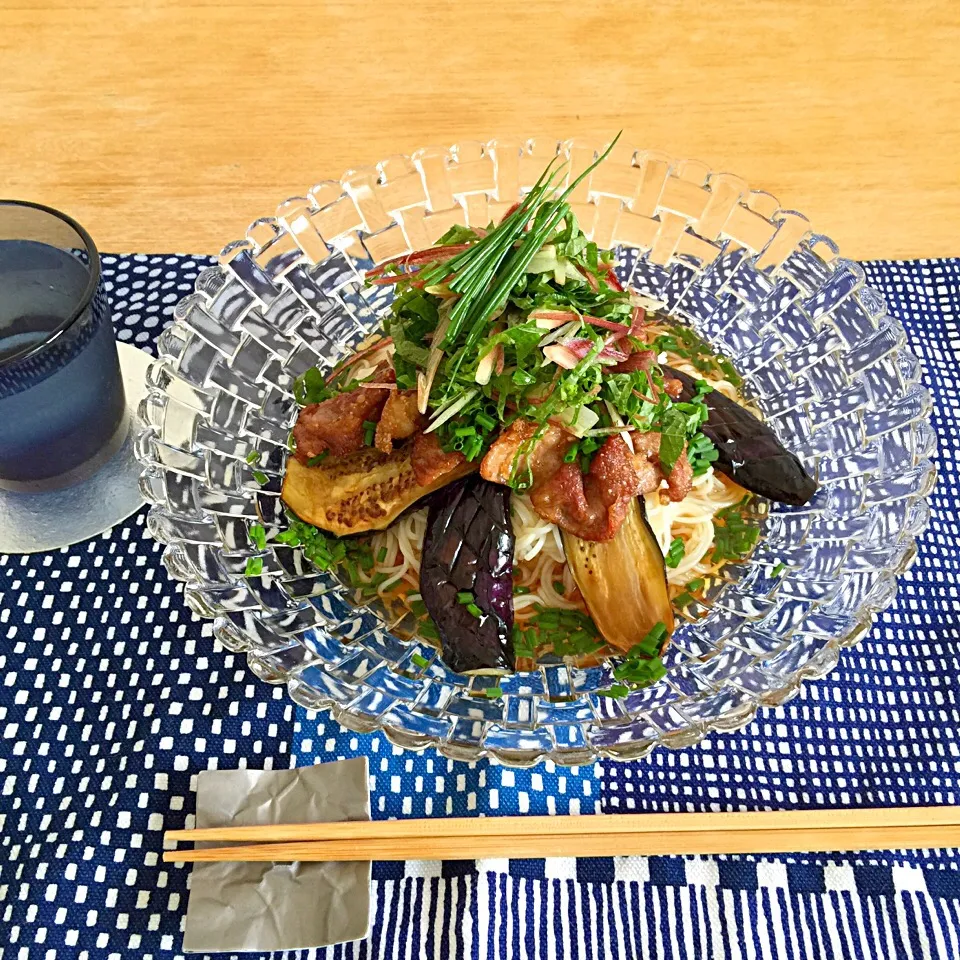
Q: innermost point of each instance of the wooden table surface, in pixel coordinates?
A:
(170, 124)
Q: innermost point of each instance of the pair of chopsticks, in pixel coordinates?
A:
(610, 835)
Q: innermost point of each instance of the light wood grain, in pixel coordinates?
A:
(584, 845)
(488, 828)
(596, 836)
(171, 124)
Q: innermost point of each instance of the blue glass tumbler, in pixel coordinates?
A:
(62, 407)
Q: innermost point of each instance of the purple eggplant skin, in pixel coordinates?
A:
(750, 453)
(469, 547)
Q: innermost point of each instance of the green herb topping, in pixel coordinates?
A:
(525, 319)
(642, 666)
(675, 553)
(733, 538)
(569, 633)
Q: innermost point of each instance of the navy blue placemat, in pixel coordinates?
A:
(113, 695)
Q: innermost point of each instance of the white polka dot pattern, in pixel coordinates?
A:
(113, 695)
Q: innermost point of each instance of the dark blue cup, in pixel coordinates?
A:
(62, 405)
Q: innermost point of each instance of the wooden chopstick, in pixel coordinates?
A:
(597, 836)
(586, 845)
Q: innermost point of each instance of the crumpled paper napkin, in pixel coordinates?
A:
(279, 906)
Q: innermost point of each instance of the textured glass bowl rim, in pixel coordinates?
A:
(86, 298)
(818, 667)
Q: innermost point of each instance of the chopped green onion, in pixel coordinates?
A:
(493, 692)
(472, 447)
(488, 423)
(642, 665)
(369, 431)
(675, 553)
(778, 569)
(254, 567)
(261, 478)
(589, 445)
(702, 453)
(419, 661)
(651, 644)
(465, 596)
(253, 456)
(474, 610)
(382, 555)
(523, 645)
(318, 459)
(258, 536)
(733, 538)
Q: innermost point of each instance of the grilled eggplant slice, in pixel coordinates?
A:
(750, 453)
(362, 491)
(623, 580)
(468, 548)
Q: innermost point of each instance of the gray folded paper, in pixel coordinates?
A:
(279, 906)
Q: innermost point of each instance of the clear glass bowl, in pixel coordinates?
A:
(823, 359)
